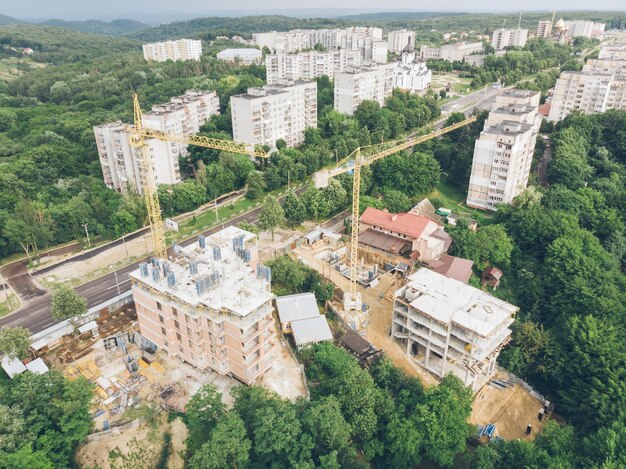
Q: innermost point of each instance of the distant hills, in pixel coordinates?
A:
(4, 20)
(107, 28)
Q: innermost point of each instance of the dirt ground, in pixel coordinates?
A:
(285, 377)
(269, 248)
(378, 322)
(510, 409)
(179, 435)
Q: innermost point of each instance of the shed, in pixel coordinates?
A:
(37, 366)
(313, 237)
(12, 366)
(90, 326)
(311, 331)
(491, 277)
(295, 308)
(355, 343)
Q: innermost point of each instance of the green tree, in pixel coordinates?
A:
(396, 201)
(228, 445)
(490, 245)
(272, 214)
(255, 185)
(295, 211)
(15, 342)
(204, 410)
(323, 420)
(13, 430)
(67, 304)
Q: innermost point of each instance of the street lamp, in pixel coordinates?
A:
(85, 225)
(117, 283)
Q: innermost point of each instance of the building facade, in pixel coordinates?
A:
(503, 38)
(544, 28)
(182, 49)
(242, 56)
(211, 305)
(600, 86)
(354, 38)
(264, 115)
(451, 327)
(397, 40)
(580, 28)
(121, 163)
(504, 151)
(411, 73)
(451, 52)
(352, 87)
(309, 65)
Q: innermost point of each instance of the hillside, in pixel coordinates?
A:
(4, 20)
(59, 45)
(107, 28)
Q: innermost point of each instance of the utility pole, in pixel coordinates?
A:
(124, 243)
(87, 233)
(117, 283)
(217, 214)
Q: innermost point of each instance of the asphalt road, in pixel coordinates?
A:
(36, 314)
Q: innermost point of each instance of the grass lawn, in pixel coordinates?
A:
(454, 198)
(4, 306)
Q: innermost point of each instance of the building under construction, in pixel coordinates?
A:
(211, 305)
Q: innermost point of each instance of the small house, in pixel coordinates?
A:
(296, 307)
(491, 277)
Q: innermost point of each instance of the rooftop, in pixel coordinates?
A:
(408, 224)
(447, 300)
(240, 52)
(296, 307)
(222, 275)
(312, 330)
(453, 267)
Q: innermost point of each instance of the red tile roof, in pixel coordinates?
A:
(404, 223)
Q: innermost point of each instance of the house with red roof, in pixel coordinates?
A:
(405, 234)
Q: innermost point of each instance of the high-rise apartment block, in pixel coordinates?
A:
(451, 327)
(264, 115)
(397, 40)
(309, 65)
(243, 56)
(368, 42)
(211, 305)
(451, 52)
(503, 38)
(182, 49)
(581, 28)
(121, 163)
(600, 86)
(373, 83)
(544, 28)
(503, 153)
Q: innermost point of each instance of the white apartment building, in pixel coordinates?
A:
(309, 65)
(121, 163)
(600, 86)
(411, 73)
(451, 327)
(264, 115)
(581, 28)
(503, 153)
(242, 56)
(503, 38)
(397, 40)
(544, 28)
(367, 41)
(451, 52)
(373, 83)
(210, 305)
(182, 49)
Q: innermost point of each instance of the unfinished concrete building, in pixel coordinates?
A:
(451, 327)
(211, 305)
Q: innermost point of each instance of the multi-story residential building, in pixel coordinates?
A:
(397, 40)
(544, 28)
(211, 305)
(367, 41)
(504, 151)
(309, 65)
(600, 86)
(503, 38)
(182, 49)
(243, 56)
(451, 327)
(121, 163)
(411, 73)
(352, 87)
(451, 52)
(264, 115)
(582, 28)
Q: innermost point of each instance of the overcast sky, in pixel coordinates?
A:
(138, 9)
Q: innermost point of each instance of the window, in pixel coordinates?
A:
(163, 331)
(177, 324)
(175, 311)
(190, 343)
(161, 318)
(159, 306)
(165, 343)
(180, 349)
(188, 332)
(178, 336)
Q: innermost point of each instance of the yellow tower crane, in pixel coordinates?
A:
(364, 156)
(138, 136)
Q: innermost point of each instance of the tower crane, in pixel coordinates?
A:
(138, 136)
(365, 156)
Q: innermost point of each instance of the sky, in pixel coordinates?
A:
(141, 9)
